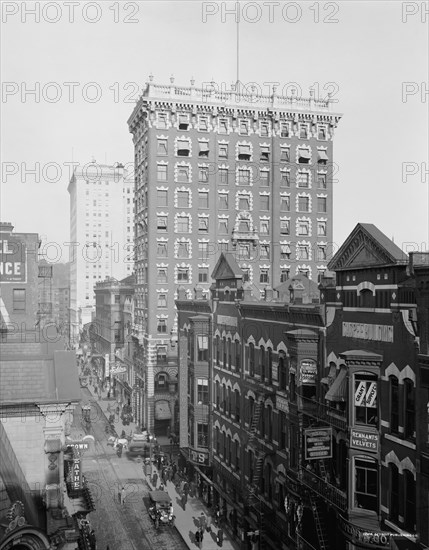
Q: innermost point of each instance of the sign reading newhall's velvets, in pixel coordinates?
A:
(360, 439)
(318, 443)
(12, 259)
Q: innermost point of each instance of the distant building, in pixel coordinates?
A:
(226, 172)
(101, 235)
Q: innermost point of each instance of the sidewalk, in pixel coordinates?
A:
(187, 522)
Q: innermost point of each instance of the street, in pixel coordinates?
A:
(127, 526)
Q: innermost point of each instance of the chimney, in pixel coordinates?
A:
(268, 294)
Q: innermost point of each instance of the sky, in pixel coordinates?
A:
(88, 67)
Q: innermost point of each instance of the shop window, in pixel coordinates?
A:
(366, 484)
(366, 399)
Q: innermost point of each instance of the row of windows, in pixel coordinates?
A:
(303, 227)
(242, 201)
(242, 176)
(224, 125)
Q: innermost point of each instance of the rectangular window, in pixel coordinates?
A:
(366, 484)
(303, 204)
(321, 204)
(243, 203)
(246, 274)
(223, 201)
(203, 251)
(203, 124)
(285, 154)
(183, 275)
(202, 435)
(223, 226)
(203, 352)
(161, 197)
(264, 129)
(183, 148)
(264, 202)
(223, 176)
(203, 225)
(321, 229)
(321, 134)
(264, 178)
(161, 326)
(223, 126)
(365, 399)
(162, 121)
(284, 204)
(203, 275)
(264, 227)
(244, 127)
(162, 147)
(264, 251)
(203, 199)
(223, 150)
(183, 122)
(394, 405)
(303, 131)
(18, 299)
(162, 300)
(264, 276)
(284, 130)
(244, 152)
(284, 275)
(162, 223)
(321, 181)
(162, 172)
(303, 228)
(303, 155)
(285, 179)
(183, 224)
(203, 149)
(265, 153)
(302, 252)
(182, 250)
(203, 174)
(322, 157)
(321, 253)
(183, 174)
(409, 408)
(244, 251)
(183, 199)
(284, 227)
(243, 176)
(162, 251)
(303, 179)
(285, 252)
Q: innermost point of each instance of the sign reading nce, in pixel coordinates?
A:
(12, 260)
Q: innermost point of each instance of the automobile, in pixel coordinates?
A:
(160, 509)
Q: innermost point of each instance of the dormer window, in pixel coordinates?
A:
(183, 122)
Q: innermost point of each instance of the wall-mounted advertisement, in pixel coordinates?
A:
(12, 259)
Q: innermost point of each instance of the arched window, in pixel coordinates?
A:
(217, 350)
(251, 359)
(237, 356)
(282, 373)
(224, 352)
(409, 409)
(251, 409)
(262, 362)
(366, 299)
(410, 501)
(237, 405)
(217, 394)
(161, 380)
(394, 493)
(229, 354)
(269, 485)
(394, 404)
(269, 423)
(270, 366)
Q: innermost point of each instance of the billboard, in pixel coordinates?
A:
(12, 259)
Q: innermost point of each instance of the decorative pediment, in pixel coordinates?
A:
(366, 246)
(227, 268)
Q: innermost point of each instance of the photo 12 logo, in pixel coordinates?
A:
(70, 12)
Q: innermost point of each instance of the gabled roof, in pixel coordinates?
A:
(367, 246)
(130, 280)
(227, 268)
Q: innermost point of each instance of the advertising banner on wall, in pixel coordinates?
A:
(12, 259)
(318, 443)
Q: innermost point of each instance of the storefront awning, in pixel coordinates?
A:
(162, 410)
(338, 390)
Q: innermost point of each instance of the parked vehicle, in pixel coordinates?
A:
(160, 509)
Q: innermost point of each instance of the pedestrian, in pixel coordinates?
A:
(209, 524)
(184, 500)
(220, 536)
(203, 521)
(174, 469)
(123, 495)
(155, 479)
(199, 536)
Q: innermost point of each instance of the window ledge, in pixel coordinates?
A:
(400, 441)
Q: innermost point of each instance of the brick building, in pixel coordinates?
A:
(224, 172)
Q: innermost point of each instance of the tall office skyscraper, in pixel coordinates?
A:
(101, 234)
(227, 171)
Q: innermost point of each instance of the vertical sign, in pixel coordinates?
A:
(76, 474)
(360, 394)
